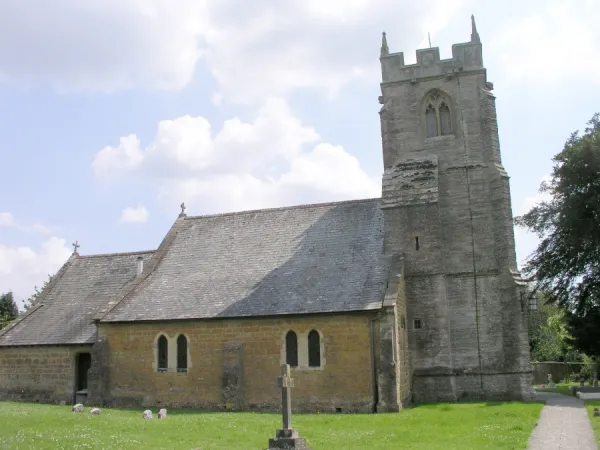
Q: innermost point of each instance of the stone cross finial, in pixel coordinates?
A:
(286, 383)
(75, 246)
(384, 45)
(182, 209)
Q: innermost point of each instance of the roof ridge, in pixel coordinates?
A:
(281, 208)
(99, 255)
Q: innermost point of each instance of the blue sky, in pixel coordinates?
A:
(113, 112)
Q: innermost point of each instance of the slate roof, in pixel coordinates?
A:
(82, 287)
(299, 260)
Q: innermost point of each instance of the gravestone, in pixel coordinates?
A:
(147, 414)
(551, 384)
(162, 413)
(77, 408)
(596, 412)
(287, 437)
(95, 411)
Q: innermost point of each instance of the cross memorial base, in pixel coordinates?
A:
(287, 439)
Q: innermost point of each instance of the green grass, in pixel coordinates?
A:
(590, 405)
(561, 388)
(442, 426)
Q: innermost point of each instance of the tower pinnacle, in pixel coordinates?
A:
(474, 33)
(384, 46)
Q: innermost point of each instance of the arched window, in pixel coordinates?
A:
(431, 121)
(438, 118)
(182, 353)
(291, 349)
(163, 354)
(314, 349)
(445, 120)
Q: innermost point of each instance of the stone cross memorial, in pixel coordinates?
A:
(287, 437)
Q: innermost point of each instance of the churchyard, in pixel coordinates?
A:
(439, 426)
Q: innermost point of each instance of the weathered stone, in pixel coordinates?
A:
(95, 411)
(596, 412)
(162, 413)
(147, 414)
(77, 408)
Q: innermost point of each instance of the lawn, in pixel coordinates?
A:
(441, 426)
(590, 405)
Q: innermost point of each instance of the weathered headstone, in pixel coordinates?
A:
(147, 414)
(596, 412)
(77, 408)
(551, 384)
(581, 382)
(95, 411)
(287, 437)
(162, 413)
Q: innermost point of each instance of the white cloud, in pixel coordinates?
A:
(253, 49)
(273, 160)
(270, 47)
(7, 219)
(138, 214)
(101, 45)
(216, 98)
(557, 42)
(23, 268)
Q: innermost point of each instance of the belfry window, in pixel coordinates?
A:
(438, 118)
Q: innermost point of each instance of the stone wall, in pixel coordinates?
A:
(38, 374)
(559, 371)
(234, 364)
(447, 209)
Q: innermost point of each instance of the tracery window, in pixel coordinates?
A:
(163, 354)
(182, 362)
(291, 349)
(438, 118)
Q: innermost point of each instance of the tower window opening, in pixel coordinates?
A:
(438, 118)
(417, 243)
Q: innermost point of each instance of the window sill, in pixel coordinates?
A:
(308, 368)
(179, 371)
(436, 140)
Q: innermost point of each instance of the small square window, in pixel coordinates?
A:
(417, 324)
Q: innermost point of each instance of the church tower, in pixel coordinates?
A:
(447, 209)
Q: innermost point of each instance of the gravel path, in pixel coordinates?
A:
(564, 424)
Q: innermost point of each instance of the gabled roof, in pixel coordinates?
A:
(301, 260)
(66, 308)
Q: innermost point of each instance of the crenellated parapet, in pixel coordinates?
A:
(465, 57)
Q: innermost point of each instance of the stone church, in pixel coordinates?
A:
(376, 303)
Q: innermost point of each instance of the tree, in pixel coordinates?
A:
(566, 263)
(8, 309)
(584, 330)
(548, 332)
(35, 297)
